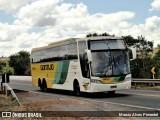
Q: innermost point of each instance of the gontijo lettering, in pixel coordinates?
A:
(47, 67)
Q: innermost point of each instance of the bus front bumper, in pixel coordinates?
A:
(109, 87)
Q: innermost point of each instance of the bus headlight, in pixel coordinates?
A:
(128, 79)
(96, 81)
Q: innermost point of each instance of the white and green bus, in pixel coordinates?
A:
(93, 64)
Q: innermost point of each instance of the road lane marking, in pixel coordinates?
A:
(152, 95)
(21, 84)
(20, 80)
(135, 106)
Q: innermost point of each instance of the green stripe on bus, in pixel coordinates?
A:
(61, 72)
(118, 79)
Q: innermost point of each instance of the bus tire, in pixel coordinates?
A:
(111, 92)
(76, 88)
(44, 86)
(39, 84)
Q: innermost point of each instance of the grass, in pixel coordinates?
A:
(6, 103)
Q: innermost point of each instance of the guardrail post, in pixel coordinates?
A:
(3, 78)
(4, 89)
(135, 85)
(153, 84)
(8, 92)
(7, 78)
(1, 86)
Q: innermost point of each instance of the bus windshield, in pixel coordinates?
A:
(110, 63)
(109, 57)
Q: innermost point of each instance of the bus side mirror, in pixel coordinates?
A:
(132, 53)
(89, 55)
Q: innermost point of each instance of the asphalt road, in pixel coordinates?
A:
(146, 99)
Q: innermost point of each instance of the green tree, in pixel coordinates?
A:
(157, 55)
(96, 34)
(156, 61)
(143, 47)
(131, 42)
(141, 66)
(5, 68)
(20, 62)
(2, 64)
(158, 46)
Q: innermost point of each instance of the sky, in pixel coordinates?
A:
(26, 24)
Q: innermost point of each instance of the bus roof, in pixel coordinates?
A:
(100, 38)
(73, 40)
(61, 41)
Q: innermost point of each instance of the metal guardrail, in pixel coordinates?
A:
(8, 90)
(140, 80)
(149, 81)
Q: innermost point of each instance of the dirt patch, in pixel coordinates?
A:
(34, 101)
(53, 102)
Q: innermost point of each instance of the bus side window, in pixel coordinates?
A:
(83, 59)
(86, 65)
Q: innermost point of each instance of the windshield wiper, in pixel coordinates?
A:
(107, 44)
(109, 69)
(117, 66)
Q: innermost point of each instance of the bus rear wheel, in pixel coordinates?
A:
(40, 84)
(76, 89)
(44, 86)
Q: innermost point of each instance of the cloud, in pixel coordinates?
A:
(150, 29)
(12, 6)
(72, 11)
(155, 5)
(59, 21)
(39, 13)
(95, 23)
(26, 40)
(9, 32)
(23, 41)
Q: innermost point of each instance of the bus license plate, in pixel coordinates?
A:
(114, 86)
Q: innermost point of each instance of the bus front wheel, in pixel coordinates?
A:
(76, 89)
(111, 92)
